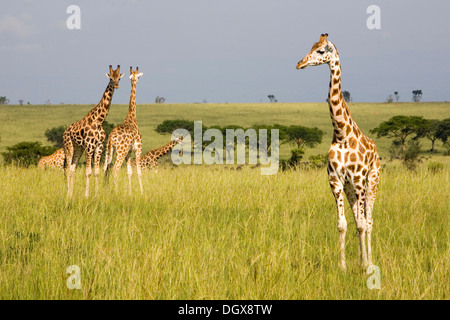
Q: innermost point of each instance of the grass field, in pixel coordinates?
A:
(210, 232)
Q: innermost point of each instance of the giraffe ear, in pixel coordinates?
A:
(139, 75)
(107, 75)
(121, 75)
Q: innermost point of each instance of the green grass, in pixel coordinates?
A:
(215, 233)
(28, 123)
(210, 232)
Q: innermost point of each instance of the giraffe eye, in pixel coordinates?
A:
(321, 51)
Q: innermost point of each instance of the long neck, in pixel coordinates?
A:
(339, 111)
(158, 153)
(131, 115)
(100, 111)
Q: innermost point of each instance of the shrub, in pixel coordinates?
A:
(25, 154)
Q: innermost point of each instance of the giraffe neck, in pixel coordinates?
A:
(100, 111)
(131, 115)
(158, 153)
(340, 113)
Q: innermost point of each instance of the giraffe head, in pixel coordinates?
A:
(322, 52)
(115, 76)
(180, 141)
(135, 75)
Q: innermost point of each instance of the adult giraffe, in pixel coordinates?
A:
(88, 135)
(126, 138)
(353, 161)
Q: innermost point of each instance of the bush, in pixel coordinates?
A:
(294, 161)
(25, 154)
(411, 157)
(55, 136)
(318, 161)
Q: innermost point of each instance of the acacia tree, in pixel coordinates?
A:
(417, 95)
(429, 130)
(400, 128)
(303, 136)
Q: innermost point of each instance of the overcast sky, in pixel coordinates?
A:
(221, 50)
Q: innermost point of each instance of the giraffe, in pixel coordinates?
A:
(353, 161)
(88, 135)
(55, 160)
(150, 160)
(126, 138)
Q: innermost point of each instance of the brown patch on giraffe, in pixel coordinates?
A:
(339, 156)
(364, 172)
(352, 157)
(360, 157)
(340, 124)
(335, 92)
(338, 112)
(356, 179)
(352, 143)
(331, 154)
(346, 157)
(334, 102)
(345, 115)
(335, 164)
(349, 130)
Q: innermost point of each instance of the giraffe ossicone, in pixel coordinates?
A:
(353, 161)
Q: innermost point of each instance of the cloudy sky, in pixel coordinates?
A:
(221, 50)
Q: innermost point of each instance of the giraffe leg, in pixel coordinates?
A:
(119, 160)
(138, 151)
(88, 170)
(129, 171)
(356, 200)
(97, 157)
(72, 165)
(337, 189)
(372, 186)
(68, 151)
(108, 158)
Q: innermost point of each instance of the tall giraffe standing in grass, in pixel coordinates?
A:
(353, 161)
(88, 135)
(126, 138)
(150, 159)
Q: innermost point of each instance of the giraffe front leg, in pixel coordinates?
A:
(129, 171)
(372, 186)
(88, 171)
(97, 157)
(119, 160)
(138, 164)
(338, 192)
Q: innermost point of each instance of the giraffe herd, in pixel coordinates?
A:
(353, 161)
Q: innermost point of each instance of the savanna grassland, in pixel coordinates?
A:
(213, 232)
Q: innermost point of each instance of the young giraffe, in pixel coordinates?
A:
(55, 160)
(126, 138)
(150, 160)
(88, 135)
(353, 161)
